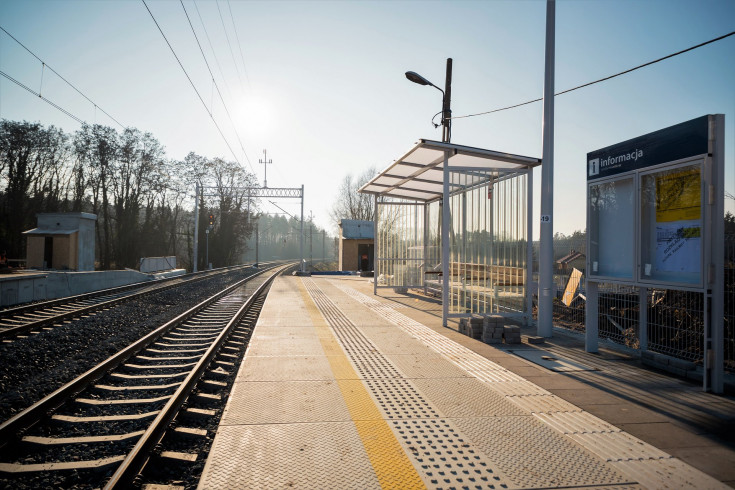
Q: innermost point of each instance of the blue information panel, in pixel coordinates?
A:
(629, 184)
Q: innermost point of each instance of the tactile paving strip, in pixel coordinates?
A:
(329, 453)
(556, 461)
(465, 398)
(399, 399)
(441, 453)
(446, 457)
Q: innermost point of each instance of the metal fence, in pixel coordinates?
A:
(675, 318)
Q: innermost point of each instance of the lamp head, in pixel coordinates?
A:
(416, 78)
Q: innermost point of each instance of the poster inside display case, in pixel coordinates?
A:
(671, 225)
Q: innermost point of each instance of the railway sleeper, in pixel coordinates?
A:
(171, 358)
(192, 413)
(48, 441)
(144, 376)
(176, 351)
(89, 401)
(219, 372)
(159, 366)
(211, 385)
(136, 387)
(104, 418)
(188, 433)
(61, 466)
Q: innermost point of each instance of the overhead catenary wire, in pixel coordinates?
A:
(192, 83)
(601, 79)
(52, 104)
(217, 87)
(45, 65)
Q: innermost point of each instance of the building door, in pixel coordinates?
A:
(365, 257)
(48, 252)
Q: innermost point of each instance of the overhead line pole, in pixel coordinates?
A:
(546, 254)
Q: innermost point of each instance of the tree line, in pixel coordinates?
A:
(143, 200)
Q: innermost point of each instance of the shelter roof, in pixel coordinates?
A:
(353, 229)
(50, 231)
(418, 175)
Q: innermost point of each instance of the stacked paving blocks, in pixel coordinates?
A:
(472, 326)
(492, 329)
(512, 334)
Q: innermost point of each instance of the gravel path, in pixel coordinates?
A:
(34, 367)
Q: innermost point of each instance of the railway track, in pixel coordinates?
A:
(102, 428)
(36, 317)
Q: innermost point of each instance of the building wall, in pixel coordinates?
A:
(348, 258)
(34, 252)
(60, 259)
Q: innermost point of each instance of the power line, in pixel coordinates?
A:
(237, 69)
(191, 82)
(214, 53)
(239, 44)
(601, 79)
(46, 65)
(217, 87)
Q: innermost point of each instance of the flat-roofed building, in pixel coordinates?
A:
(63, 241)
(356, 245)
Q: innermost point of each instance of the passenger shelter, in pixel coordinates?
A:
(480, 262)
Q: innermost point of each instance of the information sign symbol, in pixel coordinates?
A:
(594, 167)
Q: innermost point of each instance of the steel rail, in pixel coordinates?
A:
(139, 455)
(30, 416)
(33, 325)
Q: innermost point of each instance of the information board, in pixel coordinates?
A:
(645, 206)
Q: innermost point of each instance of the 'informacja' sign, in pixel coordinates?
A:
(666, 145)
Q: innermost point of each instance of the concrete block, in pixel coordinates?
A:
(536, 340)
(493, 341)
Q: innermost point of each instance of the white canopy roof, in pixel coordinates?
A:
(419, 174)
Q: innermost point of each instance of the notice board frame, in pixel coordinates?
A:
(698, 143)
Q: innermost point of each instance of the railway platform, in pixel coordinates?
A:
(340, 388)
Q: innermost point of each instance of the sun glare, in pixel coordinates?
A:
(254, 114)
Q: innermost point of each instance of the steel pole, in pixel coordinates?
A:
(301, 234)
(196, 226)
(546, 255)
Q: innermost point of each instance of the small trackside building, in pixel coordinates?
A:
(356, 245)
(62, 241)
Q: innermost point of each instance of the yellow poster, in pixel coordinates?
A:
(678, 196)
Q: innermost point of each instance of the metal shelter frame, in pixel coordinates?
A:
(288, 192)
(438, 173)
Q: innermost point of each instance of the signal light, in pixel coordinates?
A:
(211, 219)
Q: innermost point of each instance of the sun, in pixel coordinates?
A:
(254, 115)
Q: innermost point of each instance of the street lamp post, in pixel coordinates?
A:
(446, 138)
(446, 98)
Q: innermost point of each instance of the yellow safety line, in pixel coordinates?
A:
(389, 460)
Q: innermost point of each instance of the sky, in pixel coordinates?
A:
(321, 85)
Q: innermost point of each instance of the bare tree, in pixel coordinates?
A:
(351, 204)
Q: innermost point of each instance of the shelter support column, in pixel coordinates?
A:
(446, 224)
(376, 245)
(528, 317)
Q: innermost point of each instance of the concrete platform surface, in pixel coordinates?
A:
(343, 389)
